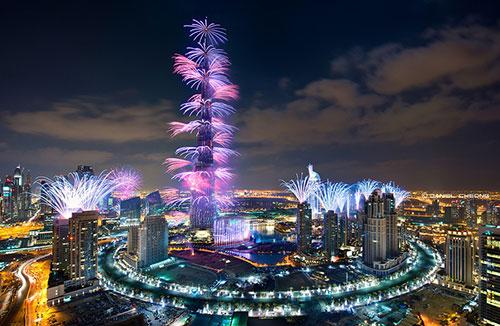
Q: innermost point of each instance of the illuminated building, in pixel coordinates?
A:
(231, 230)
(133, 239)
(83, 245)
(153, 204)
(380, 232)
(304, 227)
(130, 211)
(451, 214)
(489, 285)
(330, 234)
(459, 252)
(60, 247)
(153, 241)
(74, 257)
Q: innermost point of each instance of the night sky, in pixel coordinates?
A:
(406, 90)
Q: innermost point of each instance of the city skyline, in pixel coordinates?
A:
(250, 163)
(357, 102)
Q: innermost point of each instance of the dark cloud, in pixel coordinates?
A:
(343, 92)
(95, 119)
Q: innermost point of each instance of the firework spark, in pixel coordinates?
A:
(73, 193)
(399, 194)
(129, 181)
(301, 187)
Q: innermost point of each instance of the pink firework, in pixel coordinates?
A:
(129, 181)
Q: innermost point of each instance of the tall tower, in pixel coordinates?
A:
(459, 252)
(205, 68)
(83, 245)
(489, 285)
(304, 227)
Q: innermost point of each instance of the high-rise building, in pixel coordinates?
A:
(8, 201)
(451, 214)
(393, 236)
(153, 204)
(304, 227)
(133, 239)
(380, 231)
(330, 234)
(153, 241)
(83, 245)
(470, 211)
(459, 253)
(489, 284)
(130, 211)
(60, 247)
(74, 257)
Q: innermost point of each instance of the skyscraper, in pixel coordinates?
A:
(83, 245)
(392, 225)
(330, 234)
(380, 231)
(304, 227)
(60, 247)
(153, 241)
(130, 211)
(489, 284)
(133, 239)
(459, 252)
(451, 214)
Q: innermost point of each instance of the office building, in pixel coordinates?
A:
(74, 257)
(380, 233)
(83, 245)
(489, 284)
(60, 247)
(133, 239)
(304, 227)
(459, 252)
(130, 211)
(153, 241)
(330, 234)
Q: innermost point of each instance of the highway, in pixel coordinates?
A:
(22, 292)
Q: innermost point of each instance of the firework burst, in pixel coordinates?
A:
(73, 193)
(302, 187)
(129, 181)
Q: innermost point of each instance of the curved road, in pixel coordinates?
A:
(22, 292)
(425, 262)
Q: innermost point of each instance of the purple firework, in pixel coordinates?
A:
(202, 168)
(129, 181)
